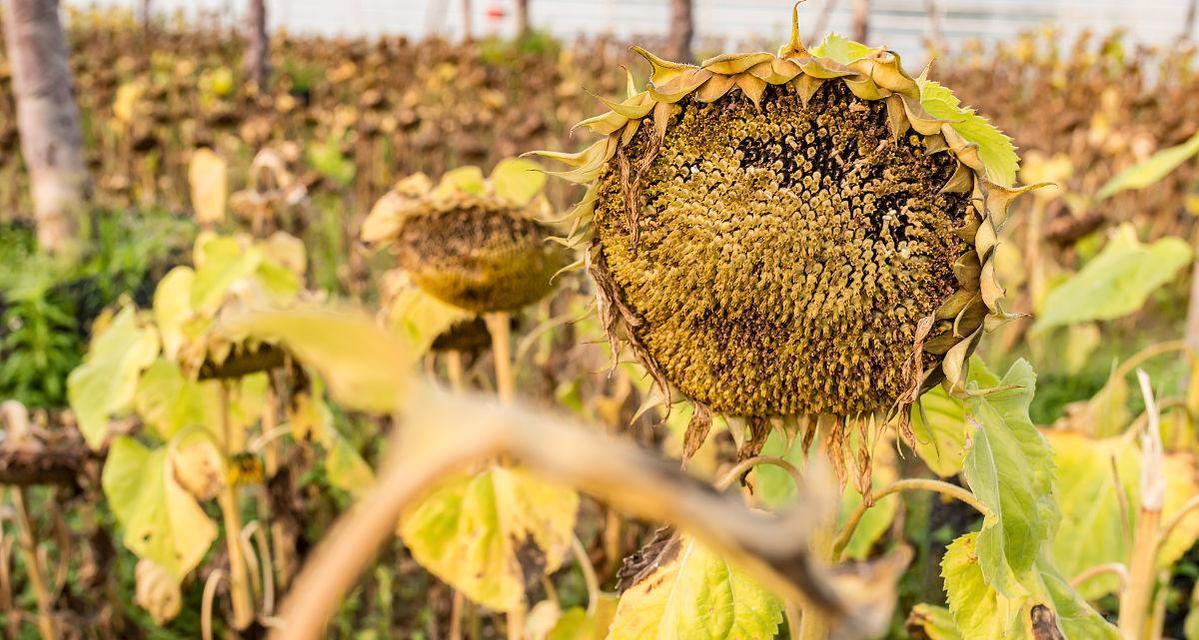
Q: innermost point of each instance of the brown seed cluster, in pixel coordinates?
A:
(480, 258)
(778, 259)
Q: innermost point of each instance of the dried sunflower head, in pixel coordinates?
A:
(471, 242)
(805, 234)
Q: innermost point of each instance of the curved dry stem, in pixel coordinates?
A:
(210, 586)
(745, 465)
(449, 432)
(589, 577)
(1152, 351)
(908, 484)
(1175, 521)
(1115, 568)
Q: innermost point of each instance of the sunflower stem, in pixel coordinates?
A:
(907, 484)
(239, 591)
(501, 351)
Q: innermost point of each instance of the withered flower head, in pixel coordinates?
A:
(471, 242)
(802, 234)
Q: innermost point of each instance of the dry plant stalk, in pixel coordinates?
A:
(448, 432)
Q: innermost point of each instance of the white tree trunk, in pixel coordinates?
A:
(257, 45)
(682, 29)
(48, 122)
(861, 20)
(522, 17)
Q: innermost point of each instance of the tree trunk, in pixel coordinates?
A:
(468, 21)
(936, 35)
(682, 29)
(861, 20)
(48, 123)
(522, 18)
(257, 50)
(1188, 24)
(821, 27)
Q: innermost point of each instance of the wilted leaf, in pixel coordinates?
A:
(197, 465)
(492, 535)
(1009, 467)
(1091, 532)
(1114, 283)
(930, 622)
(106, 381)
(162, 521)
(1151, 170)
(995, 148)
(207, 176)
(683, 590)
(517, 180)
(363, 364)
(157, 592)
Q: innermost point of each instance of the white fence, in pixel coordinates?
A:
(900, 24)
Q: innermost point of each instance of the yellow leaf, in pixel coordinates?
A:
(209, 187)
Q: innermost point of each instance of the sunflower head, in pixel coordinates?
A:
(802, 234)
(471, 241)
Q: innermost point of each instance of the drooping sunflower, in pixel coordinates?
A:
(807, 234)
(468, 241)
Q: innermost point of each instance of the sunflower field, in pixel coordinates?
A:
(540, 339)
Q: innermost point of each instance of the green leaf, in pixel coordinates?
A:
(683, 590)
(995, 148)
(940, 426)
(1042, 602)
(327, 159)
(577, 623)
(106, 381)
(1009, 467)
(220, 262)
(364, 365)
(1114, 283)
(167, 401)
(838, 48)
(346, 469)
(517, 180)
(173, 309)
(461, 180)
(491, 534)
(1151, 170)
(417, 318)
(162, 521)
(936, 623)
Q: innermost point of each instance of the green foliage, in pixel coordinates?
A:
(326, 157)
(691, 593)
(1151, 170)
(1116, 282)
(995, 148)
(1009, 467)
(106, 381)
(841, 49)
(940, 425)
